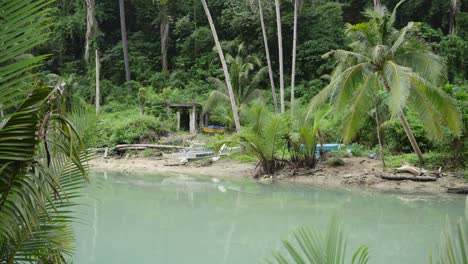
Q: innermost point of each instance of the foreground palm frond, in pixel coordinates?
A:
(453, 249)
(42, 160)
(309, 247)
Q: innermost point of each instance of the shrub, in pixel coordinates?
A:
(129, 127)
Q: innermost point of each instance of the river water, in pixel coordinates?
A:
(201, 220)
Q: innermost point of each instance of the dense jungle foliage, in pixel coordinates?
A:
(183, 65)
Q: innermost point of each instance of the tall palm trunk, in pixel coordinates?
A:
(453, 16)
(164, 30)
(225, 68)
(376, 4)
(98, 89)
(267, 52)
(123, 29)
(280, 54)
(406, 127)
(90, 27)
(379, 135)
(293, 73)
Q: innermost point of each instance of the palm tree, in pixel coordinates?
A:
(123, 29)
(246, 73)
(225, 68)
(41, 160)
(267, 53)
(303, 135)
(265, 135)
(297, 6)
(393, 62)
(280, 54)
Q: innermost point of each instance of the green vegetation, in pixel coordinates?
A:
(375, 79)
(41, 155)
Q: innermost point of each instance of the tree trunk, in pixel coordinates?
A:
(406, 127)
(98, 89)
(376, 4)
(225, 68)
(379, 136)
(411, 138)
(293, 74)
(453, 16)
(164, 39)
(280, 54)
(267, 52)
(90, 27)
(123, 29)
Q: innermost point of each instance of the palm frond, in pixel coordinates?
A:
(399, 82)
(362, 103)
(309, 247)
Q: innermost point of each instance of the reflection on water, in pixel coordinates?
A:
(155, 219)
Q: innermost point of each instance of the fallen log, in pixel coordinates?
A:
(458, 190)
(145, 146)
(394, 177)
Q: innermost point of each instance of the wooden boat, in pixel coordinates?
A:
(189, 154)
(214, 129)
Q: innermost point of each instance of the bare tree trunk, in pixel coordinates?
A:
(225, 68)
(90, 27)
(280, 54)
(164, 39)
(379, 136)
(267, 52)
(406, 127)
(98, 89)
(453, 17)
(123, 29)
(293, 74)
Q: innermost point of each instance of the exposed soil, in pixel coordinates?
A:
(356, 172)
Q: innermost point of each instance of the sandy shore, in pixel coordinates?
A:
(356, 172)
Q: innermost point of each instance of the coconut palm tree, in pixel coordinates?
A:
(246, 73)
(267, 53)
(396, 63)
(280, 54)
(297, 6)
(227, 76)
(265, 136)
(41, 158)
(123, 29)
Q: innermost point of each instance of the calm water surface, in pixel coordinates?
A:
(155, 219)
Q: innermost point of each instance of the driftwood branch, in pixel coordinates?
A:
(458, 190)
(394, 177)
(407, 168)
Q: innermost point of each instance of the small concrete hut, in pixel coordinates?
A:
(189, 116)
